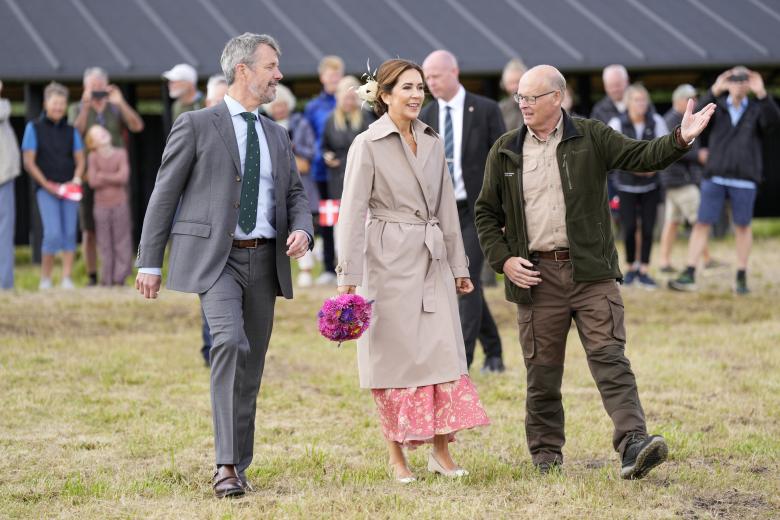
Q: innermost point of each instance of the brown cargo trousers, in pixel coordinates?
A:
(597, 309)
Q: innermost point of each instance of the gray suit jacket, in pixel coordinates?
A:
(201, 168)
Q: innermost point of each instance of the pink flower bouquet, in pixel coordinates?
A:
(344, 317)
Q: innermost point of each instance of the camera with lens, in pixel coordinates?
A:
(738, 78)
(99, 94)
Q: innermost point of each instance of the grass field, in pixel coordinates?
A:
(104, 413)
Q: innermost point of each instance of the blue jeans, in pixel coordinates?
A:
(7, 225)
(60, 220)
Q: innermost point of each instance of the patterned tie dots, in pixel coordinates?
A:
(247, 215)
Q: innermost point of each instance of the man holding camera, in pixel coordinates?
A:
(731, 149)
(101, 104)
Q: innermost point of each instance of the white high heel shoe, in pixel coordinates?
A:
(435, 467)
(400, 480)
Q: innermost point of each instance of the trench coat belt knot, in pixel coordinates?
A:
(434, 241)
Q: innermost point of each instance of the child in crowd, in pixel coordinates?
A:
(108, 172)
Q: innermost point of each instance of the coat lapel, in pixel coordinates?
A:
(425, 142)
(225, 128)
(384, 126)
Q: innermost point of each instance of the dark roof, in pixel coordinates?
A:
(138, 39)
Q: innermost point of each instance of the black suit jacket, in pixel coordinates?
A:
(482, 126)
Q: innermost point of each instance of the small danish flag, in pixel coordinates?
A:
(329, 212)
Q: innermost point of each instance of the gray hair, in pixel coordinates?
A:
(214, 81)
(513, 65)
(95, 71)
(551, 75)
(55, 89)
(633, 89)
(557, 81)
(241, 49)
(620, 69)
(684, 91)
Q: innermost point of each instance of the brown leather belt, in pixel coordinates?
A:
(251, 243)
(559, 255)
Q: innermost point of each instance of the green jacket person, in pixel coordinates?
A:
(543, 221)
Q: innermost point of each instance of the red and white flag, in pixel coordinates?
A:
(329, 212)
(67, 190)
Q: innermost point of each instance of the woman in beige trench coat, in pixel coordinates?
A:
(399, 240)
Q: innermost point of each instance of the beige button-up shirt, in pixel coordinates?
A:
(545, 209)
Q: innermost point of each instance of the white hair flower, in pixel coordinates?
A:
(369, 90)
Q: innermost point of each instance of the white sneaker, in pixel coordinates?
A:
(67, 284)
(318, 249)
(44, 284)
(306, 262)
(326, 278)
(304, 279)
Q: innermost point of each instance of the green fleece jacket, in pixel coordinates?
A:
(587, 151)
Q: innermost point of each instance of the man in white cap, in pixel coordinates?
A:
(183, 87)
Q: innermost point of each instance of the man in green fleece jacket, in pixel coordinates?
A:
(543, 221)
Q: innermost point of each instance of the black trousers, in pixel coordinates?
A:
(644, 206)
(475, 317)
(328, 244)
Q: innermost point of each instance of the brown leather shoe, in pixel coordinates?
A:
(226, 483)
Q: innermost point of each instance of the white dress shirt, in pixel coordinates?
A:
(266, 203)
(456, 105)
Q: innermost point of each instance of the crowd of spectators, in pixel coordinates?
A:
(692, 191)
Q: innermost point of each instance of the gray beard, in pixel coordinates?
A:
(263, 98)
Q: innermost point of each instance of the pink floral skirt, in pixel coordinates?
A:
(412, 416)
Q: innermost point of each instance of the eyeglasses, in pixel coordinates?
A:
(531, 100)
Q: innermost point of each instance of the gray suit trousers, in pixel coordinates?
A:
(239, 308)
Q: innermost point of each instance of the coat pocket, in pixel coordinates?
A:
(618, 316)
(525, 325)
(191, 228)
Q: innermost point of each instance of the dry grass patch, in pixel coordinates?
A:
(105, 414)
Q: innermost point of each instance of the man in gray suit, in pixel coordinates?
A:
(242, 213)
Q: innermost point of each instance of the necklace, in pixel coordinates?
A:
(410, 139)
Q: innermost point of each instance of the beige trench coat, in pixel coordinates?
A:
(399, 240)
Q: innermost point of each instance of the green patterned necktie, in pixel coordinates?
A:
(247, 216)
